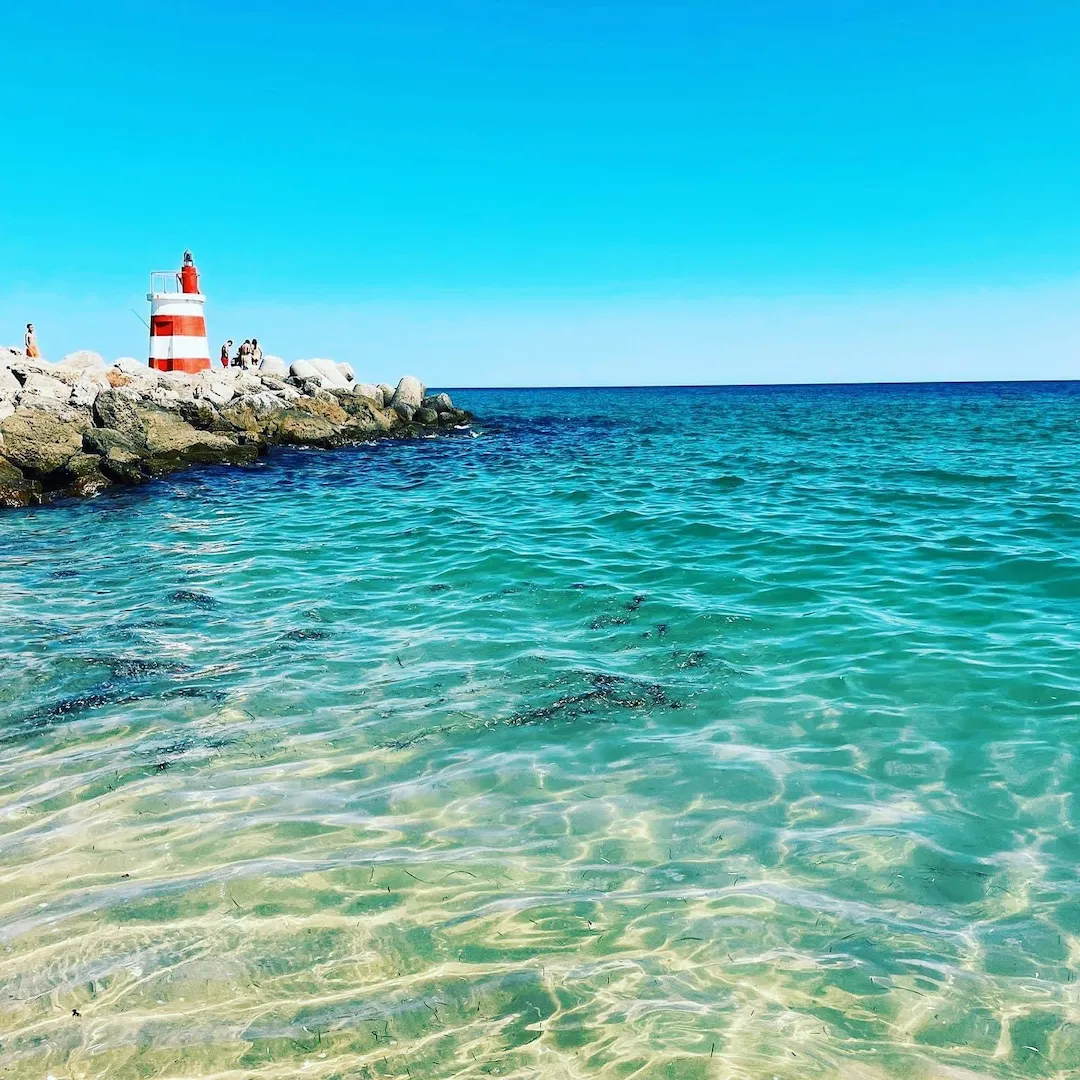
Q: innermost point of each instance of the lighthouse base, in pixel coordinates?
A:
(190, 365)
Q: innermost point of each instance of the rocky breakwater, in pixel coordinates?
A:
(78, 427)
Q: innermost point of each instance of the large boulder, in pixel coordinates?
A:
(46, 386)
(304, 370)
(83, 475)
(410, 392)
(347, 371)
(332, 376)
(218, 393)
(23, 366)
(440, 403)
(139, 369)
(85, 390)
(387, 394)
(172, 442)
(364, 416)
(9, 384)
(275, 366)
(119, 457)
(325, 405)
(83, 360)
(426, 416)
(181, 381)
(370, 391)
(15, 489)
(299, 427)
(38, 442)
(116, 409)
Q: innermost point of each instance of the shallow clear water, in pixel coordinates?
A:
(654, 733)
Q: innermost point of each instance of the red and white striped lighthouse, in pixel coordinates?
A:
(178, 339)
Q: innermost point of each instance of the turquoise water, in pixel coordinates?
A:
(653, 734)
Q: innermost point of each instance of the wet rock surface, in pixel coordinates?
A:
(79, 427)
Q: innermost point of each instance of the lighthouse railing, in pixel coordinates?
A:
(164, 281)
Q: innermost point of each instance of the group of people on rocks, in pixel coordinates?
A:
(249, 355)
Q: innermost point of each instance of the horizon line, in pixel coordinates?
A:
(768, 386)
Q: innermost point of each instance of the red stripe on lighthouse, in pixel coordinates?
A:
(177, 326)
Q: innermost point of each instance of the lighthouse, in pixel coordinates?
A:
(177, 324)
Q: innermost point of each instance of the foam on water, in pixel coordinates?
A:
(683, 733)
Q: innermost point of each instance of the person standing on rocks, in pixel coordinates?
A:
(256, 353)
(245, 354)
(225, 353)
(30, 341)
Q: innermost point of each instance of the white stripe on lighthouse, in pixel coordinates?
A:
(163, 347)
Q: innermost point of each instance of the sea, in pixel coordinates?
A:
(663, 734)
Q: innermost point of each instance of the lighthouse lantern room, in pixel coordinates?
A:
(178, 339)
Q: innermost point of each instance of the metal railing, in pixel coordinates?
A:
(169, 281)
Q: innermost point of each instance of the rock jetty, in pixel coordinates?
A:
(80, 426)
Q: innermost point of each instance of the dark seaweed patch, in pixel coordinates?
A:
(104, 695)
(306, 635)
(608, 620)
(194, 692)
(196, 599)
(607, 691)
(63, 575)
(691, 659)
(97, 698)
(631, 608)
(133, 667)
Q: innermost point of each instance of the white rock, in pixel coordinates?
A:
(303, 369)
(440, 403)
(332, 378)
(274, 365)
(6, 409)
(410, 391)
(288, 394)
(347, 371)
(84, 360)
(247, 382)
(46, 403)
(216, 393)
(9, 355)
(9, 385)
(85, 391)
(46, 386)
(165, 396)
(387, 393)
(140, 370)
(369, 390)
(262, 403)
(177, 378)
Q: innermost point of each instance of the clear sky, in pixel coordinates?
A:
(524, 192)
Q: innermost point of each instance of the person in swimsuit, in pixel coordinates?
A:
(225, 353)
(30, 341)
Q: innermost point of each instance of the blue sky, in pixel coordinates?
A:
(561, 192)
